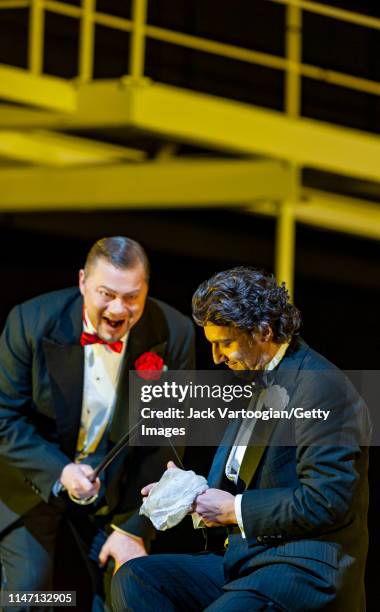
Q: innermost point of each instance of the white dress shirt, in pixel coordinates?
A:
(101, 376)
(243, 436)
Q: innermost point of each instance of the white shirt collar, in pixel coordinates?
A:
(277, 357)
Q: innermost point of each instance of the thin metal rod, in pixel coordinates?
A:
(264, 59)
(294, 56)
(110, 21)
(338, 78)
(14, 4)
(286, 234)
(62, 9)
(36, 37)
(86, 44)
(217, 48)
(333, 12)
(137, 49)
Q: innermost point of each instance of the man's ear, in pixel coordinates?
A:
(81, 281)
(264, 333)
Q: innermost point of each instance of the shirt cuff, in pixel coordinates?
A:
(131, 535)
(239, 517)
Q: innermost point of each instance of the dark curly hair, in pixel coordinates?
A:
(248, 299)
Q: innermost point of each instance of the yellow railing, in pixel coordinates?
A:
(291, 64)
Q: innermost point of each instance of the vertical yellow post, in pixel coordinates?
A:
(36, 37)
(294, 57)
(286, 222)
(286, 234)
(86, 47)
(137, 50)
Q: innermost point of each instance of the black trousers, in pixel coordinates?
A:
(28, 554)
(183, 583)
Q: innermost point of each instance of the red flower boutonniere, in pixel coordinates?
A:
(149, 366)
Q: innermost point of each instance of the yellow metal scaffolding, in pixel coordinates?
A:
(281, 143)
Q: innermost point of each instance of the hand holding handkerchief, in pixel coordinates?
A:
(172, 497)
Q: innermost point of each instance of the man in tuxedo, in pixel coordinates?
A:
(64, 363)
(294, 498)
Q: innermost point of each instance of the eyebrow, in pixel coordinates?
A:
(115, 292)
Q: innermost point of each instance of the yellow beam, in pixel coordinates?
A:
(54, 149)
(164, 184)
(239, 127)
(333, 212)
(21, 117)
(18, 85)
(215, 123)
(330, 211)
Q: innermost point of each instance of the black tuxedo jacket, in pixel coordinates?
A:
(41, 385)
(304, 504)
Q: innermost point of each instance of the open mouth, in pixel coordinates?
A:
(114, 323)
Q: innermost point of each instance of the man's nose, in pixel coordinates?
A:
(118, 307)
(217, 354)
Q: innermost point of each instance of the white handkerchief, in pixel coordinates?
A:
(172, 497)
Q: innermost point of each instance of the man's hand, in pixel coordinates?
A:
(216, 508)
(121, 547)
(147, 489)
(75, 478)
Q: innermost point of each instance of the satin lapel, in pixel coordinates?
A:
(64, 361)
(144, 336)
(284, 374)
(221, 456)
(255, 450)
(218, 465)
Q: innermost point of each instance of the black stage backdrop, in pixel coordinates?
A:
(337, 288)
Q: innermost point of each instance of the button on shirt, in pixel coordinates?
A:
(102, 368)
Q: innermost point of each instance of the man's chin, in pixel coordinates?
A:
(113, 336)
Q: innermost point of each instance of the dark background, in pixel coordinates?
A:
(337, 288)
(337, 280)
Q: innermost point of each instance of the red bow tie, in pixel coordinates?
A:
(87, 338)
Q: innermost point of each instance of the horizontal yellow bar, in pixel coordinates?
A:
(62, 9)
(240, 127)
(217, 48)
(112, 21)
(332, 212)
(176, 115)
(55, 149)
(48, 92)
(14, 4)
(164, 184)
(334, 12)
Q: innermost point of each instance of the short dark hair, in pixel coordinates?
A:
(120, 251)
(248, 299)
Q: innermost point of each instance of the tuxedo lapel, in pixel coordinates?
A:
(262, 431)
(217, 470)
(255, 450)
(64, 361)
(149, 334)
